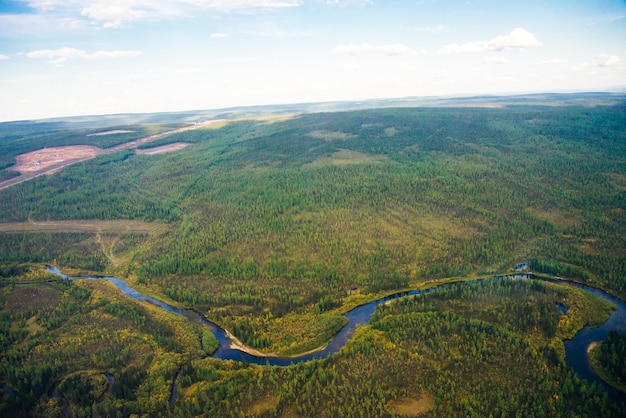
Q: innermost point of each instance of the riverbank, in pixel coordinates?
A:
(232, 348)
(593, 351)
(237, 344)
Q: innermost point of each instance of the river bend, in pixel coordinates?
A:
(576, 355)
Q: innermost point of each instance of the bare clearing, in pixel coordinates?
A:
(84, 226)
(32, 326)
(558, 218)
(113, 132)
(618, 180)
(345, 157)
(588, 248)
(26, 299)
(275, 118)
(49, 158)
(137, 142)
(163, 149)
(263, 405)
(331, 135)
(410, 407)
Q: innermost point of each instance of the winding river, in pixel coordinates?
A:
(576, 355)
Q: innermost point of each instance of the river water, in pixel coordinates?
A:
(576, 355)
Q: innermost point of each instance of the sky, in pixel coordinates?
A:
(90, 57)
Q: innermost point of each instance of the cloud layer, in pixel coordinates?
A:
(59, 56)
(115, 13)
(611, 61)
(518, 39)
(496, 60)
(389, 49)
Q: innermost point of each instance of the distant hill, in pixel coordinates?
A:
(101, 121)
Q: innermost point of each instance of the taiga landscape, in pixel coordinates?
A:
(270, 225)
(312, 208)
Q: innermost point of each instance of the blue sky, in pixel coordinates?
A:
(77, 57)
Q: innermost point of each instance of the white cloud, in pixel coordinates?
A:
(350, 66)
(59, 56)
(582, 65)
(219, 35)
(496, 60)
(602, 64)
(187, 71)
(243, 4)
(345, 2)
(389, 49)
(4, 57)
(552, 61)
(606, 19)
(38, 25)
(115, 13)
(45, 5)
(518, 39)
(155, 5)
(58, 61)
(114, 54)
(610, 60)
(64, 52)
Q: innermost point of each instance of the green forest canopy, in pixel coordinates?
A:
(272, 222)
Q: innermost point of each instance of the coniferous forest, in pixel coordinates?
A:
(274, 227)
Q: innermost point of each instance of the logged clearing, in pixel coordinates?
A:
(410, 407)
(264, 404)
(588, 248)
(331, 135)
(558, 218)
(84, 226)
(113, 132)
(345, 157)
(163, 149)
(50, 158)
(25, 299)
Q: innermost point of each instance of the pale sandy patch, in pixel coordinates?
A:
(264, 404)
(113, 132)
(414, 406)
(46, 158)
(345, 157)
(558, 218)
(238, 345)
(330, 135)
(86, 225)
(163, 149)
(49, 160)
